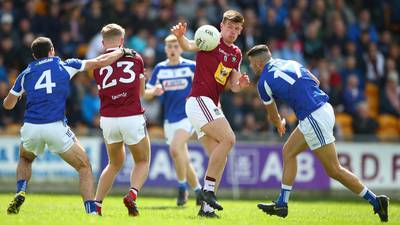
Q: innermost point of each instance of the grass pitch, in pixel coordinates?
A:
(68, 209)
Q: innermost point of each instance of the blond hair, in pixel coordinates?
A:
(233, 16)
(170, 38)
(112, 30)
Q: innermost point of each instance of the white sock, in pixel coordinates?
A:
(209, 185)
(363, 192)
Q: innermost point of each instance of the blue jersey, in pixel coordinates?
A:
(291, 82)
(46, 84)
(176, 81)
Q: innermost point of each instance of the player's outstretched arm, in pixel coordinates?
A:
(104, 59)
(10, 101)
(179, 31)
(238, 81)
(275, 118)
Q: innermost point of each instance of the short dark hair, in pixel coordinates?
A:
(41, 47)
(258, 50)
(233, 16)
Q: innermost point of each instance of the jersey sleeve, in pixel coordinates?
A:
(73, 66)
(154, 78)
(18, 88)
(265, 92)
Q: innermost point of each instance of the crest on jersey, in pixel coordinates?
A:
(217, 112)
(225, 58)
(222, 73)
(234, 59)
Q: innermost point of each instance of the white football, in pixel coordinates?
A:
(207, 37)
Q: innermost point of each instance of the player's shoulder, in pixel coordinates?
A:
(188, 62)
(161, 64)
(236, 49)
(72, 62)
(136, 57)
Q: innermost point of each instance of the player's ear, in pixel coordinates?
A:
(52, 52)
(102, 42)
(33, 55)
(122, 42)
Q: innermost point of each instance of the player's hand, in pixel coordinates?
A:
(128, 52)
(244, 81)
(158, 90)
(282, 128)
(179, 30)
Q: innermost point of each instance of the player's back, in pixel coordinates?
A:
(176, 81)
(119, 87)
(290, 81)
(213, 69)
(46, 84)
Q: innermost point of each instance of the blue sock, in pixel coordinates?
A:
(90, 206)
(197, 190)
(182, 184)
(370, 197)
(21, 185)
(284, 195)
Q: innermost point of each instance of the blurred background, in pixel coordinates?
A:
(351, 46)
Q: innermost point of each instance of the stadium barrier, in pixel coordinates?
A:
(251, 168)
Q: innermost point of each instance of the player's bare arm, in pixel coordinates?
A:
(142, 84)
(150, 93)
(179, 31)
(238, 81)
(104, 59)
(10, 101)
(275, 118)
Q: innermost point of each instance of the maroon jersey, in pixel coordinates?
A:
(119, 87)
(213, 69)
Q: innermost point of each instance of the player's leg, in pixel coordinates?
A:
(141, 156)
(77, 158)
(209, 145)
(192, 177)
(321, 140)
(181, 162)
(328, 157)
(293, 146)
(116, 159)
(24, 173)
(183, 167)
(219, 130)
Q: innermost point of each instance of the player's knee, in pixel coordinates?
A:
(116, 165)
(83, 163)
(230, 140)
(335, 172)
(173, 150)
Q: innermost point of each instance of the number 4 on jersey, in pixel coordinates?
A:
(47, 84)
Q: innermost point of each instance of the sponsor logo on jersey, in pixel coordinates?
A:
(175, 84)
(44, 61)
(122, 95)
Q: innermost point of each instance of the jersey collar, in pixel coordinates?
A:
(180, 61)
(111, 49)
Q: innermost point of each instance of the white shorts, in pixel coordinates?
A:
(171, 128)
(200, 111)
(317, 128)
(130, 129)
(58, 137)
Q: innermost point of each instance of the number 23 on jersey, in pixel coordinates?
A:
(108, 70)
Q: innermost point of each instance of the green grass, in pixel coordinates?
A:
(68, 209)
